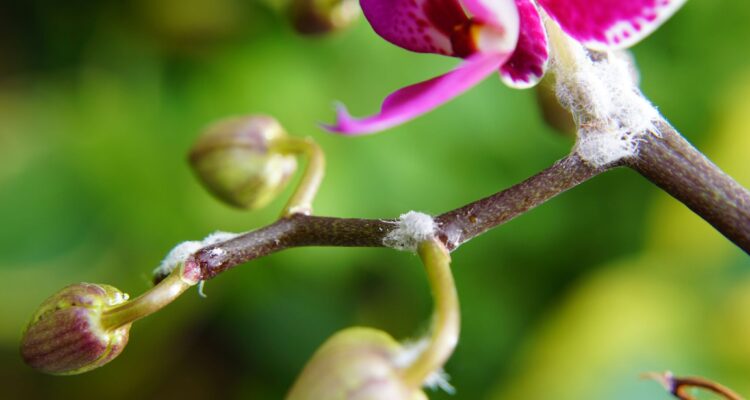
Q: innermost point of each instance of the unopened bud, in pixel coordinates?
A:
(315, 17)
(554, 114)
(356, 363)
(66, 335)
(237, 162)
(85, 326)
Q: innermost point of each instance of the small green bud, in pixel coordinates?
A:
(314, 17)
(237, 161)
(355, 364)
(554, 114)
(66, 335)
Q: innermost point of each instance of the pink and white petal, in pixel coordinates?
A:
(424, 26)
(529, 61)
(415, 100)
(501, 14)
(610, 24)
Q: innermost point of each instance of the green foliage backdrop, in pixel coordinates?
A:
(100, 102)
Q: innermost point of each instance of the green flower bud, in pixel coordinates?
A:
(554, 114)
(66, 335)
(314, 17)
(356, 363)
(237, 161)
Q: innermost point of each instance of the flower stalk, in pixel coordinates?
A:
(679, 387)
(359, 363)
(301, 200)
(165, 292)
(446, 315)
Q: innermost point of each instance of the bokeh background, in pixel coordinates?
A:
(100, 101)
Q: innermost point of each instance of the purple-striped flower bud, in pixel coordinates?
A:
(238, 161)
(66, 335)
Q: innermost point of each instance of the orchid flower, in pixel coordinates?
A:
(492, 35)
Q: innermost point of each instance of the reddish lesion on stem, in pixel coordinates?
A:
(680, 386)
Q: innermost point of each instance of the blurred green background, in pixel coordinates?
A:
(100, 101)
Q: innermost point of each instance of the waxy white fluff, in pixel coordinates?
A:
(410, 352)
(611, 113)
(180, 253)
(413, 228)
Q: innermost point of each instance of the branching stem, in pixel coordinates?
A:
(454, 227)
(667, 160)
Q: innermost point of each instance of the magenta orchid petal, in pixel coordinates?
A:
(610, 24)
(501, 14)
(529, 61)
(424, 26)
(412, 101)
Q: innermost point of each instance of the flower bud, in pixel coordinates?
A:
(314, 17)
(236, 161)
(554, 114)
(66, 335)
(356, 363)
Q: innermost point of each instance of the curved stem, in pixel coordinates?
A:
(679, 387)
(148, 303)
(453, 228)
(446, 318)
(682, 385)
(303, 196)
(668, 160)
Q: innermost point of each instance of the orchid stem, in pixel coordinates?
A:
(679, 386)
(446, 318)
(673, 164)
(453, 227)
(148, 303)
(304, 194)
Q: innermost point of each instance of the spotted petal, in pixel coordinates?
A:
(529, 61)
(417, 99)
(610, 24)
(424, 26)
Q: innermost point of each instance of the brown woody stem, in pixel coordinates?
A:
(463, 224)
(682, 385)
(668, 160)
(454, 227)
(673, 164)
(679, 386)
